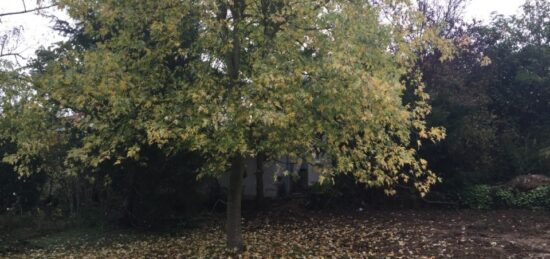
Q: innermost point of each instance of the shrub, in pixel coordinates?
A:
(322, 196)
(535, 199)
(504, 198)
(486, 197)
(477, 197)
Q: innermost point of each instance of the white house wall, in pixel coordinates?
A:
(270, 186)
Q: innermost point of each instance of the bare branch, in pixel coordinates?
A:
(27, 11)
(24, 5)
(11, 54)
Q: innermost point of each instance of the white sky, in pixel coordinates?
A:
(37, 29)
(482, 9)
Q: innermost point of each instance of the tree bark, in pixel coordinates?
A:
(234, 197)
(233, 63)
(260, 159)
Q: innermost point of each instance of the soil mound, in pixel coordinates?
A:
(528, 182)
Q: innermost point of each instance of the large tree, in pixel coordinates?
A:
(316, 80)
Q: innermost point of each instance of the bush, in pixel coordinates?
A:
(477, 197)
(486, 197)
(322, 196)
(538, 198)
(504, 198)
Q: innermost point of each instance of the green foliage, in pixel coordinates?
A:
(486, 197)
(534, 199)
(323, 196)
(504, 198)
(315, 81)
(492, 98)
(477, 197)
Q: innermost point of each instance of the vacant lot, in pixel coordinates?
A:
(408, 233)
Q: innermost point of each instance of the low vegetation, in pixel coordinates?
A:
(486, 197)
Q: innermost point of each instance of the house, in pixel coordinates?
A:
(280, 178)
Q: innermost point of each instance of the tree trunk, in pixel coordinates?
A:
(77, 192)
(234, 197)
(70, 196)
(233, 63)
(129, 196)
(260, 159)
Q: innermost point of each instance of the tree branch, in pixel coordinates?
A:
(11, 54)
(27, 11)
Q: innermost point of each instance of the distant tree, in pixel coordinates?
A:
(20, 189)
(490, 98)
(521, 89)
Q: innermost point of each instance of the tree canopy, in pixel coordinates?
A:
(318, 80)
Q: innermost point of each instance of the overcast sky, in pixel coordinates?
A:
(482, 9)
(37, 29)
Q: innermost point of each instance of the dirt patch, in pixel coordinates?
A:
(528, 182)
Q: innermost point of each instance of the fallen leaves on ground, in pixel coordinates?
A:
(396, 234)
